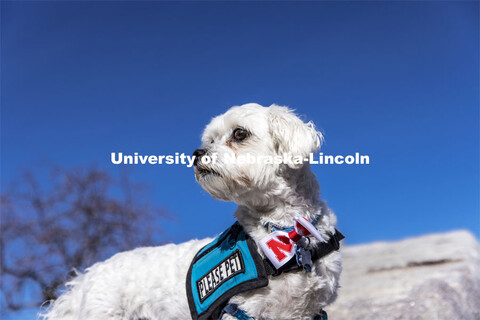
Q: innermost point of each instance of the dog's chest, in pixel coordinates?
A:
(293, 295)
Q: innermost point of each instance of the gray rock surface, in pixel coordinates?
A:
(431, 277)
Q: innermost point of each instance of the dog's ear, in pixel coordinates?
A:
(291, 136)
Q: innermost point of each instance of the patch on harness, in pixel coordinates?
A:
(225, 270)
(228, 265)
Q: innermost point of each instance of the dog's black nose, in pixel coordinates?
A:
(198, 155)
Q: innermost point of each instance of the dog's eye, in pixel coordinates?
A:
(240, 134)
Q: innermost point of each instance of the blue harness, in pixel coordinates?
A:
(228, 265)
(231, 264)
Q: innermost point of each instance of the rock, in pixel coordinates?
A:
(432, 277)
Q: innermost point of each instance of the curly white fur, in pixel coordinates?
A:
(149, 283)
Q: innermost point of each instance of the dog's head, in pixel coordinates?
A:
(249, 150)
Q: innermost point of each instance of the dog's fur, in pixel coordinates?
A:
(149, 283)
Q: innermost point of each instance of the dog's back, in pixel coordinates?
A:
(137, 284)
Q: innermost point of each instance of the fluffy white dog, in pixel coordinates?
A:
(150, 283)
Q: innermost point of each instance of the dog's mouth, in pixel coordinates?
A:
(204, 171)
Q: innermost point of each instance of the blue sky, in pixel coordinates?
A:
(398, 81)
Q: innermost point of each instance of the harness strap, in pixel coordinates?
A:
(321, 316)
(233, 310)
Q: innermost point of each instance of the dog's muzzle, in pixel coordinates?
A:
(198, 154)
(198, 164)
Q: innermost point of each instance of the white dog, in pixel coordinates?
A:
(150, 283)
